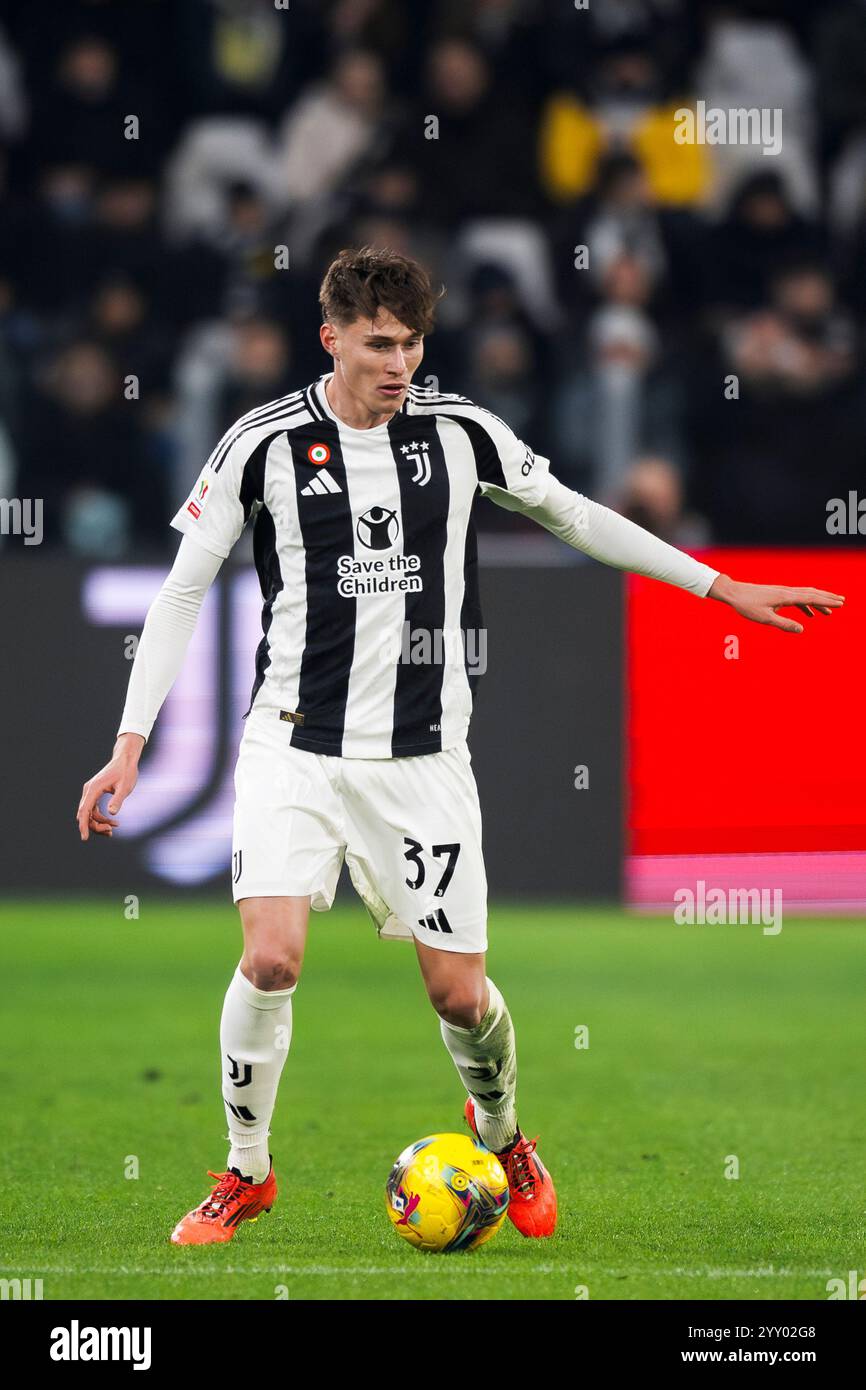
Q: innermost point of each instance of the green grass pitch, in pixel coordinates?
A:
(704, 1042)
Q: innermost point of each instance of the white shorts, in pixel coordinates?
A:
(409, 828)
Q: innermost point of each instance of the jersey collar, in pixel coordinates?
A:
(320, 401)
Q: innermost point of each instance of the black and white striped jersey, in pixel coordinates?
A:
(366, 557)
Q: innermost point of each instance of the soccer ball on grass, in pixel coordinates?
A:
(447, 1192)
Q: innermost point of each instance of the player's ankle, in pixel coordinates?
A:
(249, 1164)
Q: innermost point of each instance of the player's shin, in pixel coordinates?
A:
(486, 1058)
(255, 1033)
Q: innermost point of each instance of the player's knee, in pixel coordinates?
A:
(270, 970)
(460, 1004)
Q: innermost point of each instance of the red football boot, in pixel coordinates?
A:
(532, 1196)
(232, 1201)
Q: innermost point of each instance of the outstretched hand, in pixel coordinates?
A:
(760, 602)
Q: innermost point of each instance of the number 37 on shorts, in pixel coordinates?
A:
(409, 830)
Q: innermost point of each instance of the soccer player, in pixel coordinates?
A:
(360, 488)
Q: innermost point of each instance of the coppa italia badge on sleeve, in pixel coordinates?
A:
(195, 505)
(318, 453)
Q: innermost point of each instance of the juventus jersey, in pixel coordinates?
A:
(366, 558)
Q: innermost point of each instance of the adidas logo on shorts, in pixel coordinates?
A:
(321, 485)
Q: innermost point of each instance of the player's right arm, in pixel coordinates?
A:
(165, 637)
(210, 520)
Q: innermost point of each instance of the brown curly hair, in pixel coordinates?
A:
(358, 283)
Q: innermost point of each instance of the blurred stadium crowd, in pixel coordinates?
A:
(310, 127)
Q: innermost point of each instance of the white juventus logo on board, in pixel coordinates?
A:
(416, 453)
(321, 485)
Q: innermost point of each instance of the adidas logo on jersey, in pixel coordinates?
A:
(321, 485)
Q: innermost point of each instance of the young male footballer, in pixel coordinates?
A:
(360, 487)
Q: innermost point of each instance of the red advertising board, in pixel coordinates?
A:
(742, 739)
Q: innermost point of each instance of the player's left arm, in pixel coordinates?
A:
(613, 539)
(519, 480)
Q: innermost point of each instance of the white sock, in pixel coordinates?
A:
(255, 1033)
(486, 1058)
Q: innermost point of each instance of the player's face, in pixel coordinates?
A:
(375, 361)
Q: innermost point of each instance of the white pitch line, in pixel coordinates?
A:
(328, 1271)
(430, 1267)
